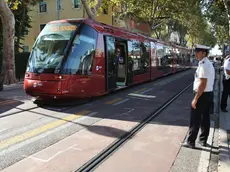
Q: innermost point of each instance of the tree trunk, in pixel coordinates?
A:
(8, 65)
(126, 20)
(90, 14)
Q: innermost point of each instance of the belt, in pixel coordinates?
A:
(206, 92)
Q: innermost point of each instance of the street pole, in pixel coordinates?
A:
(58, 9)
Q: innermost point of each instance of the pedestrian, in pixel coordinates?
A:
(202, 101)
(226, 84)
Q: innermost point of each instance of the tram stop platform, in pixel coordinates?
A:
(155, 148)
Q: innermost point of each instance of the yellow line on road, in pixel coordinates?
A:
(40, 130)
(138, 91)
(113, 101)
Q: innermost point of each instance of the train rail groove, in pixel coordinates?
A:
(107, 152)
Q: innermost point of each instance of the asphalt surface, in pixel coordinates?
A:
(26, 129)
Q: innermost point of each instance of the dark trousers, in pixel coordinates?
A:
(200, 117)
(225, 93)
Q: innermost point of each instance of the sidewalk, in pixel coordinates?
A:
(224, 138)
(217, 157)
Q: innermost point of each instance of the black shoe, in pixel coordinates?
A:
(224, 110)
(188, 145)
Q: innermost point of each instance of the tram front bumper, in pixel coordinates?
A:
(42, 88)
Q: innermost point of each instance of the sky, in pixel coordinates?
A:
(215, 51)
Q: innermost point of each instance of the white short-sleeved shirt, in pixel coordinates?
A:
(205, 69)
(226, 67)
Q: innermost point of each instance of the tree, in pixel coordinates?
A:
(218, 14)
(7, 26)
(92, 7)
(8, 68)
(166, 16)
(22, 21)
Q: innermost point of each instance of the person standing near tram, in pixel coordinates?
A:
(202, 101)
(226, 84)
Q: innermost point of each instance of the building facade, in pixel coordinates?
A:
(47, 10)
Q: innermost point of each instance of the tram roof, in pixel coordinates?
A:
(116, 31)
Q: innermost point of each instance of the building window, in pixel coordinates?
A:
(43, 7)
(42, 26)
(105, 10)
(25, 48)
(76, 3)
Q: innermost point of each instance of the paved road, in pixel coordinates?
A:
(26, 129)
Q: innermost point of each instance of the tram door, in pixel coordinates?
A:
(111, 83)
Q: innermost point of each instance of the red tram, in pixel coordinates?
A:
(81, 58)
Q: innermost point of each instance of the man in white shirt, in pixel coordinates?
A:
(201, 104)
(226, 84)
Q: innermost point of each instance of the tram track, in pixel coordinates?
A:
(73, 105)
(116, 145)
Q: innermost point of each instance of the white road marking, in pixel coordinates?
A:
(126, 113)
(122, 101)
(144, 96)
(56, 154)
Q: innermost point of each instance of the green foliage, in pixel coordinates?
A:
(217, 15)
(167, 16)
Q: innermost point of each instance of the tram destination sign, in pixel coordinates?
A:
(62, 28)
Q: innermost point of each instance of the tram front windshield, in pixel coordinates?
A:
(48, 51)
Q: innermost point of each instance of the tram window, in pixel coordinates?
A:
(139, 52)
(80, 59)
(48, 51)
(145, 47)
(160, 54)
(166, 60)
(153, 54)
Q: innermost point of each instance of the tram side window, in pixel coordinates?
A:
(160, 54)
(145, 47)
(153, 55)
(80, 59)
(139, 52)
(166, 60)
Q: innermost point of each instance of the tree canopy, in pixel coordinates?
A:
(218, 14)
